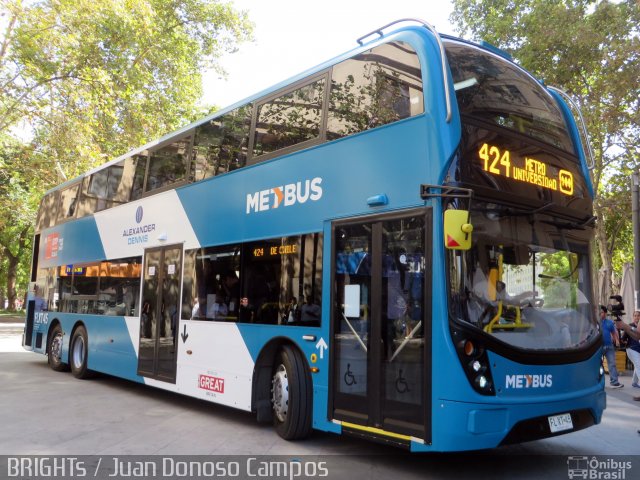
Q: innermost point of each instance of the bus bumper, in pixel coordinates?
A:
(473, 426)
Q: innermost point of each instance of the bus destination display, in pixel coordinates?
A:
(499, 161)
(274, 250)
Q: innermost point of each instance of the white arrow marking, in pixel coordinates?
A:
(322, 346)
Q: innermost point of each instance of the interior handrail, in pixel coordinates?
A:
(443, 61)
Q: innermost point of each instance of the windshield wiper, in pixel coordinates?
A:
(564, 225)
(517, 211)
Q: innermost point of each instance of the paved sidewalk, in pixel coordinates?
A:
(626, 393)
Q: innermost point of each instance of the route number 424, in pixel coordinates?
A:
(494, 159)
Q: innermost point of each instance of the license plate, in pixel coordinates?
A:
(560, 423)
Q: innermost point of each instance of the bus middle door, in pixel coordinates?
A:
(160, 312)
(380, 326)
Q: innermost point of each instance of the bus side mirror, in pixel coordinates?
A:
(457, 230)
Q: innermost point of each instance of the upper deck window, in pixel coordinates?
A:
(48, 211)
(221, 144)
(104, 183)
(168, 165)
(290, 119)
(374, 88)
(140, 169)
(68, 202)
(107, 188)
(494, 90)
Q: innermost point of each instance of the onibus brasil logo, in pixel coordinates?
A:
(597, 469)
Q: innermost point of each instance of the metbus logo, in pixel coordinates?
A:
(287, 195)
(529, 381)
(213, 384)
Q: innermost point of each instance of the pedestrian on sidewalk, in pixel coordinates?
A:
(633, 333)
(611, 340)
(633, 350)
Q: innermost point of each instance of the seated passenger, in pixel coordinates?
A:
(246, 311)
(217, 309)
(310, 312)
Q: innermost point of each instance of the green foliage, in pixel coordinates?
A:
(89, 80)
(559, 279)
(591, 49)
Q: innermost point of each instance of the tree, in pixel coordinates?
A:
(89, 80)
(591, 49)
(17, 206)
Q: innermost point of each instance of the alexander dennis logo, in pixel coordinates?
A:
(595, 468)
(139, 233)
(285, 195)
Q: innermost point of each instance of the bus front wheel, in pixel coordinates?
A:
(291, 395)
(78, 353)
(54, 350)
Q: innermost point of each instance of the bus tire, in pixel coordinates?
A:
(54, 350)
(291, 395)
(79, 353)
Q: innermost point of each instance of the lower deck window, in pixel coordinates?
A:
(276, 281)
(103, 288)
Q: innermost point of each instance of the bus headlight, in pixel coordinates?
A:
(482, 382)
(477, 367)
(475, 361)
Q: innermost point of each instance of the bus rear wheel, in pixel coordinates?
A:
(78, 354)
(54, 350)
(291, 395)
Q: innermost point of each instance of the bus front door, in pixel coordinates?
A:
(159, 313)
(381, 326)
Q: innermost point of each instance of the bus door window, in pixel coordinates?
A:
(403, 306)
(352, 307)
(159, 312)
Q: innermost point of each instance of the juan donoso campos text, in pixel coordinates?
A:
(161, 467)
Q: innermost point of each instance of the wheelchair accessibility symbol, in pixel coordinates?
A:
(349, 377)
(401, 383)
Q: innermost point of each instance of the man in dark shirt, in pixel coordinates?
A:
(633, 333)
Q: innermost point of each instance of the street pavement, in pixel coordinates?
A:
(43, 412)
(11, 328)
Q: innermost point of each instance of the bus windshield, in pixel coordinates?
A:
(526, 279)
(493, 90)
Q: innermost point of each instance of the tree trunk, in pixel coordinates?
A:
(12, 278)
(604, 290)
(13, 262)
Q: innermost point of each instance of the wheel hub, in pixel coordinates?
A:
(56, 346)
(280, 393)
(78, 352)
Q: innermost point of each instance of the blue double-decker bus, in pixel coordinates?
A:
(393, 245)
